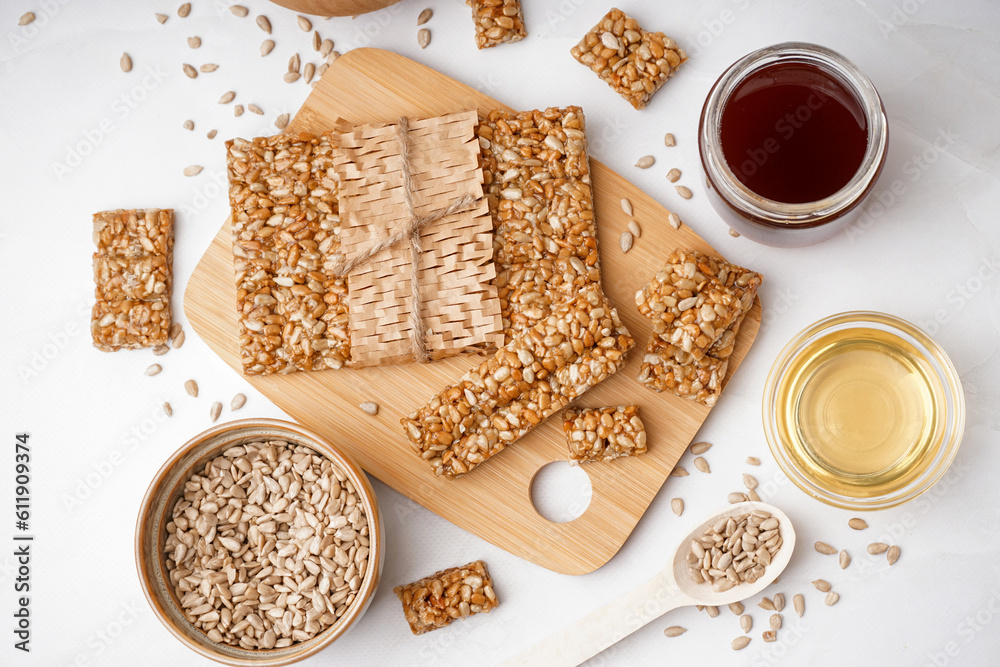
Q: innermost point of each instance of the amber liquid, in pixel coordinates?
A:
(793, 133)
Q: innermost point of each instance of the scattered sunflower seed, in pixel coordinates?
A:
(423, 37)
(238, 110)
(154, 369)
(184, 10)
(188, 125)
(668, 140)
(775, 622)
(700, 448)
(683, 191)
(291, 77)
(736, 608)
(769, 635)
(190, 71)
(215, 411)
(191, 387)
(239, 10)
(239, 400)
(824, 548)
(264, 24)
(679, 471)
(167, 409)
(425, 16)
(674, 221)
(178, 341)
(857, 524)
(749, 481)
(626, 206)
(208, 67)
(677, 506)
(332, 57)
(892, 555)
(227, 97)
(162, 18)
(674, 175)
(321, 69)
(876, 548)
(309, 72)
(633, 228)
(845, 559)
(735, 234)
(26, 18)
(673, 630)
(799, 602)
(746, 622)
(712, 611)
(317, 41)
(193, 170)
(253, 108)
(194, 42)
(175, 329)
(822, 585)
(831, 598)
(736, 497)
(294, 63)
(211, 134)
(646, 161)
(779, 603)
(326, 47)
(266, 46)
(740, 643)
(752, 495)
(625, 241)
(702, 465)
(160, 350)
(126, 62)
(304, 23)
(369, 407)
(766, 604)
(281, 121)
(753, 461)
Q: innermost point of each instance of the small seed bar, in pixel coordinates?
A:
(134, 232)
(604, 434)
(292, 311)
(694, 298)
(667, 368)
(132, 278)
(531, 378)
(127, 324)
(437, 600)
(497, 21)
(634, 62)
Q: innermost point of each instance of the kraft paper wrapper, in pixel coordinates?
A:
(459, 303)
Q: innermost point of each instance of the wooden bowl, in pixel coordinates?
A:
(335, 7)
(155, 514)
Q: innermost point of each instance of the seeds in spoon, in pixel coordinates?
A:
(892, 555)
(824, 548)
(674, 631)
(626, 206)
(727, 555)
(822, 585)
(799, 602)
(677, 506)
(646, 161)
(699, 448)
(876, 548)
(740, 643)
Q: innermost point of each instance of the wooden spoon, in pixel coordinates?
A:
(668, 590)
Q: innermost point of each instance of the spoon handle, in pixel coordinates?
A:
(588, 636)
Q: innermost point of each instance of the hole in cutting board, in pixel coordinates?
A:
(561, 492)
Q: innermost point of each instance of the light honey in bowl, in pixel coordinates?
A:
(857, 411)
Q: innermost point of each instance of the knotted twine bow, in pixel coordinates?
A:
(410, 230)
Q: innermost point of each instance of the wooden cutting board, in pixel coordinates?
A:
(494, 501)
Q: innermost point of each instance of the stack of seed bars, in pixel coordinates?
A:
(697, 304)
(132, 272)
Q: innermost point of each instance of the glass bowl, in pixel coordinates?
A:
(863, 411)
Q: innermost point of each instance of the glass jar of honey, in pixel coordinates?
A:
(792, 139)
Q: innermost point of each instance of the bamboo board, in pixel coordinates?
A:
(494, 501)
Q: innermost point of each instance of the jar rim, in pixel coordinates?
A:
(783, 214)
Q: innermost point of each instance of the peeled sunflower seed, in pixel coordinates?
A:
(668, 140)
(369, 407)
(633, 228)
(892, 555)
(679, 471)
(423, 37)
(191, 387)
(876, 548)
(317, 41)
(625, 241)
(700, 448)
(775, 621)
(211, 134)
(126, 62)
(194, 42)
(188, 125)
(769, 635)
(674, 221)
(253, 108)
(753, 461)
(857, 524)
(319, 70)
(674, 631)
(779, 603)
(677, 506)
(740, 643)
(193, 170)
(266, 46)
(190, 71)
(304, 23)
(178, 341)
(281, 121)
(239, 10)
(712, 611)
(326, 47)
(184, 10)
(26, 18)
(822, 585)
(766, 604)
(308, 72)
(238, 110)
(736, 497)
(752, 495)
(674, 175)
(824, 548)
(626, 206)
(845, 559)
(208, 67)
(291, 77)
(154, 369)
(799, 602)
(239, 400)
(227, 97)
(425, 16)
(746, 622)
(646, 161)
(168, 410)
(264, 24)
(215, 411)
(735, 234)
(294, 63)
(749, 481)
(702, 465)
(683, 191)
(162, 18)
(831, 598)
(736, 608)
(160, 350)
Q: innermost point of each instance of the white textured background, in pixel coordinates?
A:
(80, 136)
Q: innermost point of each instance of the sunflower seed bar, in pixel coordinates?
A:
(132, 278)
(437, 600)
(128, 324)
(667, 368)
(634, 62)
(531, 378)
(134, 232)
(497, 21)
(536, 177)
(694, 298)
(604, 434)
(292, 311)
